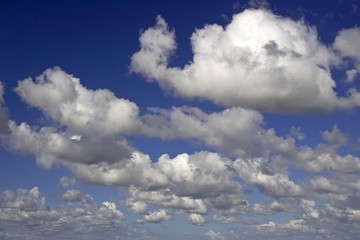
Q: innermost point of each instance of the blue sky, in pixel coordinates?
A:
(179, 119)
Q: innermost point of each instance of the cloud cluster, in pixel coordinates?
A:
(24, 214)
(194, 184)
(259, 60)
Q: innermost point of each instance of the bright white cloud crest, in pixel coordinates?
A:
(260, 60)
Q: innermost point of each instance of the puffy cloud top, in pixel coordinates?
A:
(260, 60)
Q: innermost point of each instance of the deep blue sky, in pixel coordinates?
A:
(292, 185)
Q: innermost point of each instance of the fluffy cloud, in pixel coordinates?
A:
(196, 219)
(49, 144)
(21, 210)
(275, 184)
(271, 208)
(157, 216)
(233, 131)
(259, 60)
(214, 235)
(346, 43)
(165, 198)
(84, 111)
(199, 175)
(225, 219)
(136, 206)
(137, 170)
(323, 185)
(67, 181)
(72, 195)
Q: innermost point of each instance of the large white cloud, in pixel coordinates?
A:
(259, 60)
(84, 111)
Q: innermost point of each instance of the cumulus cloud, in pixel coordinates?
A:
(346, 43)
(234, 131)
(157, 216)
(67, 181)
(72, 195)
(271, 207)
(225, 219)
(335, 137)
(49, 144)
(87, 112)
(138, 170)
(323, 185)
(196, 219)
(23, 209)
(275, 184)
(136, 206)
(259, 60)
(165, 198)
(214, 235)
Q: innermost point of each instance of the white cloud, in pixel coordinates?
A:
(49, 145)
(269, 225)
(83, 111)
(260, 60)
(233, 131)
(225, 219)
(256, 171)
(165, 198)
(335, 137)
(137, 170)
(23, 209)
(136, 206)
(214, 235)
(309, 208)
(157, 216)
(270, 208)
(324, 158)
(323, 185)
(72, 195)
(108, 210)
(200, 175)
(346, 43)
(196, 219)
(67, 181)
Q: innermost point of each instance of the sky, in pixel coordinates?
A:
(206, 120)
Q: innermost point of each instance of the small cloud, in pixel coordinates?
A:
(196, 219)
(67, 181)
(76, 137)
(157, 216)
(72, 195)
(214, 235)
